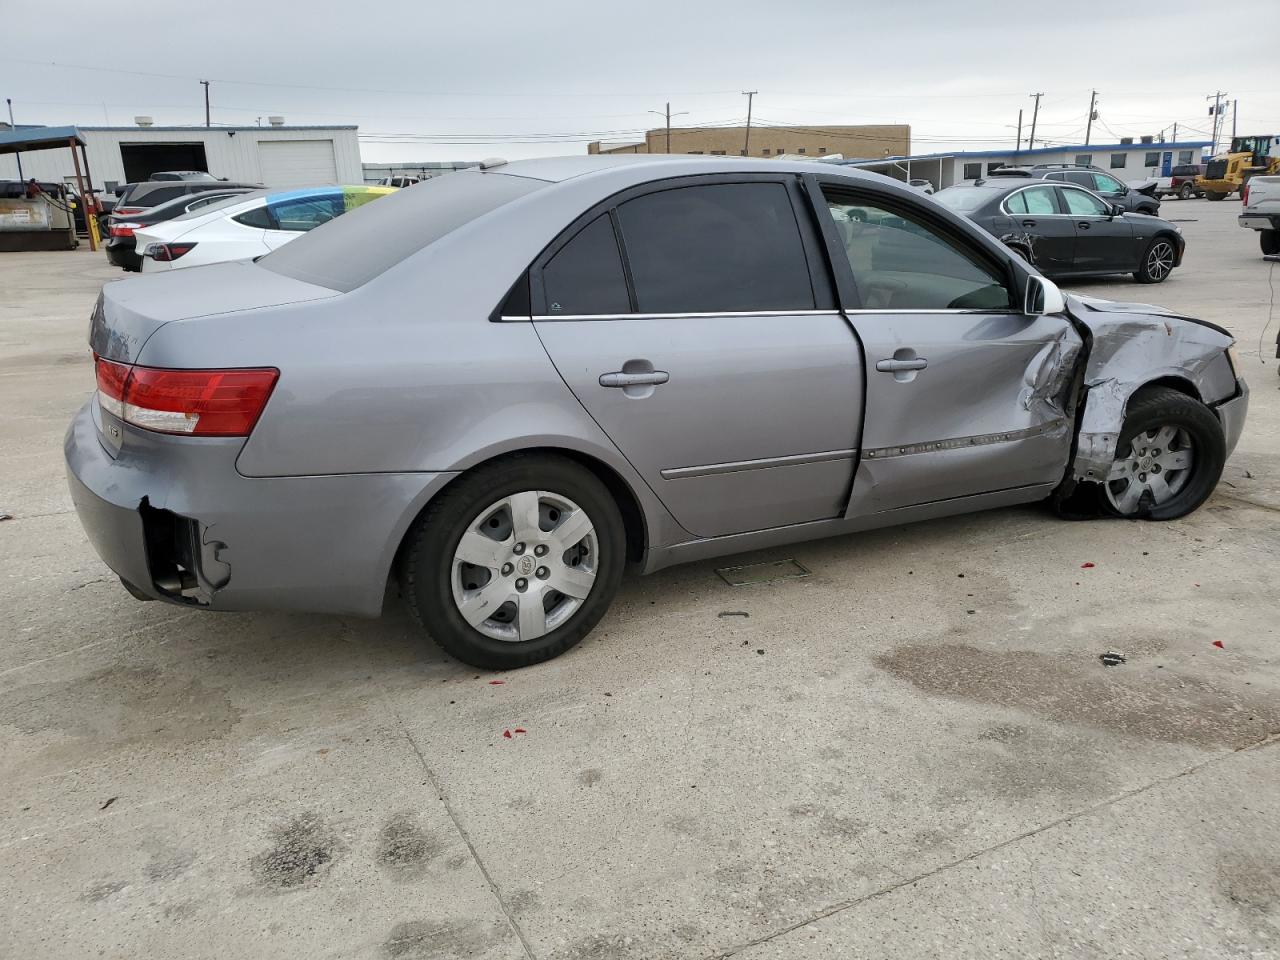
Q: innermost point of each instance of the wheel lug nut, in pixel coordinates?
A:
(540, 550)
(1142, 477)
(1155, 468)
(506, 569)
(518, 549)
(543, 573)
(522, 583)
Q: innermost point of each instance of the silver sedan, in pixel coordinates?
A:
(502, 387)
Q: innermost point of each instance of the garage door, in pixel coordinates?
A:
(297, 163)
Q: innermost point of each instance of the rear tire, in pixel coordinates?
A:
(1151, 482)
(1212, 195)
(1270, 241)
(514, 513)
(1186, 192)
(1157, 260)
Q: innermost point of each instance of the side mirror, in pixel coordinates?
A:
(1117, 210)
(1043, 296)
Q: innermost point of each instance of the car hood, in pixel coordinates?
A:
(129, 311)
(1102, 316)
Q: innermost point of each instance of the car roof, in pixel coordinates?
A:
(652, 166)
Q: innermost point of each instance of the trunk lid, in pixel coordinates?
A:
(129, 311)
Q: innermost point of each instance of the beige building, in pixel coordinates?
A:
(890, 140)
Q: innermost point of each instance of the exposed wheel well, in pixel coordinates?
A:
(1180, 384)
(632, 516)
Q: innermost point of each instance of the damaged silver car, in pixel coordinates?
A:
(500, 388)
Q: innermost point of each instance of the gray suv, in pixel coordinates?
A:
(1093, 179)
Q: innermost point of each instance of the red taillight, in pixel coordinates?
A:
(124, 229)
(168, 251)
(127, 211)
(1244, 195)
(200, 403)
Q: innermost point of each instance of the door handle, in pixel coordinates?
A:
(619, 379)
(1028, 223)
(1083, 225)
(896, 366)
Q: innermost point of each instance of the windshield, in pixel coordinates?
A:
(358, 246)
(964, 199)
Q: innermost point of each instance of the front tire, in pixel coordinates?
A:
(515, 562)
(1157, 261)
(1270, 241)
(1169, 457)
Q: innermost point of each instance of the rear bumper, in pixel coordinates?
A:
(1259, 221)
(123, 252)
(1231, 413)
(323, 544)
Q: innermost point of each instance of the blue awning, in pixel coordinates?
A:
(22, 139)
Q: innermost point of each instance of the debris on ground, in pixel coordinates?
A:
(733, 613)
(506, 734)
(496, 683)
(1218, 644)
(761, 652)
(1112, 658)
(5, 515)
(110, 801)
(1087, 565)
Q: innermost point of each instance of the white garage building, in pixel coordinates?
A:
(277, 156)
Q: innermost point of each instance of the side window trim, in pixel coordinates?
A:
(818, 279)
(1066, 205)
(1057, 207)
(844, 273)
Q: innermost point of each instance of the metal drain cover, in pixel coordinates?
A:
(762, 572)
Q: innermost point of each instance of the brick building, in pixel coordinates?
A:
(851, 141)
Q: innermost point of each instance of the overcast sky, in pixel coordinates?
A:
(471, 80)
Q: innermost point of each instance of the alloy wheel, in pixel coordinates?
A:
(1156, 467)
(1160, 260)
(524, 565)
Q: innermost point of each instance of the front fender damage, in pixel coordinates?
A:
(1131, 345)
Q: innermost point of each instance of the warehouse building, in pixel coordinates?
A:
(275, 155)
(850, 141)
(377, 172)
(1127, 160)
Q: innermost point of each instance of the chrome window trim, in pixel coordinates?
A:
(949, 310)
(678, 316)
(1030, 186)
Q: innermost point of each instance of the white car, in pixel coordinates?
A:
(246, 226)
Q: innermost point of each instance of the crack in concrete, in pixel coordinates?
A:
(1269, 740)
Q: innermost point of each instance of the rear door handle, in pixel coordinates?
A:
(620, 379)
(1028, 223)
(894, 366)
(1083, 225)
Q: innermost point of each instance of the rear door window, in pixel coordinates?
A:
(306, 213)
(259, 217)
(585, 276)
(1039, 200)
(716, 248)
(901, 262)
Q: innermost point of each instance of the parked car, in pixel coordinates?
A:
(133, 198)
(924, 186)
(1140, 199)
(1181, 182)
(504, 385)
(399, 181)
(1068, 231)
(246, 226)
(1261, 211)
(120, 242)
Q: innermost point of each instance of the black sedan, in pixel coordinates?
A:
(1067, 231)
(120, 244)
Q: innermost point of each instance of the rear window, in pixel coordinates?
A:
(375, 237)
(964, 199)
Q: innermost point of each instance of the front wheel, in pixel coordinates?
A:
(516, 562)
(1169, 457)
(1157, 261)
(1270, 240)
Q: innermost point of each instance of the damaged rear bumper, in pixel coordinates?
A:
(175, 521)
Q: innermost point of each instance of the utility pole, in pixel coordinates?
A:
(206, 102)
(668, 114)
(1235, 108)
(1175, 131)
(1088, 126)
(1035, 114)
(1018, 146)
(746, 144)
(1216, 110)
(18, 155)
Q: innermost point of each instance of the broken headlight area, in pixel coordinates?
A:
(184, 561)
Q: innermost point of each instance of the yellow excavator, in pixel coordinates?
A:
(1248, 157)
